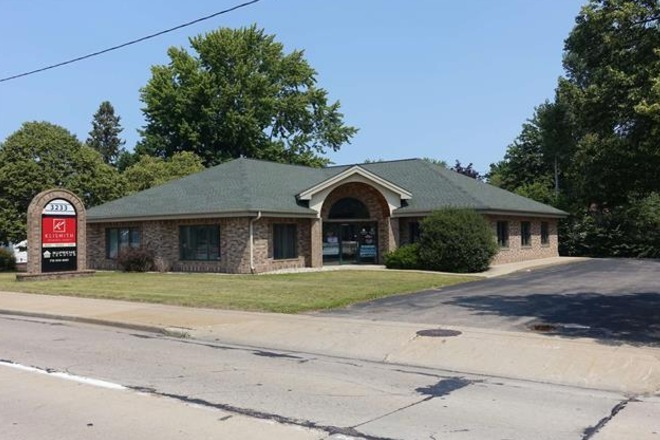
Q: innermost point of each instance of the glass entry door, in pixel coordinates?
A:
(354, 242)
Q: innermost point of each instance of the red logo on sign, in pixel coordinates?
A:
(58, 231)
(59, 225)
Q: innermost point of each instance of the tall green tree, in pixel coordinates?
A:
(240, 95)
(104, 136)
(40, 156)
(150, 171)
(598, 143)
(612, 63)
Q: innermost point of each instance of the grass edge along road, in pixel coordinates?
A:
(283, 293)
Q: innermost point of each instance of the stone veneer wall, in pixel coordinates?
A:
(388, 228)
(163, 238)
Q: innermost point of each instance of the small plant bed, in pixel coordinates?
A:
(287, 293)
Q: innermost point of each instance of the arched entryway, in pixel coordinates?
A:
(352, 216)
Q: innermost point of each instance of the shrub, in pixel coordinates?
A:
(138, 259)
(406, 257)
(7, 260)
(456, 240)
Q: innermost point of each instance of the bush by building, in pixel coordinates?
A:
(405, 257)
(138, 259)
(7, 260)
(456, 240)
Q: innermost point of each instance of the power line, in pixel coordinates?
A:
(129, 43)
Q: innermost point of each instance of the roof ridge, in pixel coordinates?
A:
(272, 162)
(372, 163)
(440, 170)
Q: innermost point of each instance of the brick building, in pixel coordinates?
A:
(254, 216)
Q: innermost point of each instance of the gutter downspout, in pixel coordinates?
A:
(252, 241)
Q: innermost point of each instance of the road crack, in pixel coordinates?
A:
(331, 430)
(589, 432)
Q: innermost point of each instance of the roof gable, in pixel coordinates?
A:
(339, 178)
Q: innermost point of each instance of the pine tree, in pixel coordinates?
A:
(104, 136)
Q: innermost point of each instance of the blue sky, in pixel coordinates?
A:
(424, 78)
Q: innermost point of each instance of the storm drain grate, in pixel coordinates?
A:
(543, 328)
(438, 333)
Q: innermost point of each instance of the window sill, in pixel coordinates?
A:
(197, 261)
(286, 259)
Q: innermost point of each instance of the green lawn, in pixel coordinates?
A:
(290, 293)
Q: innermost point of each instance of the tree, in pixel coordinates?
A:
(597, 144)
(104, 136)
(150, 171)
(240, 95)
(612, 64)
(40, 156)
(466, 171)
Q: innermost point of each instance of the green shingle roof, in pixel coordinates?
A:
(244, 186)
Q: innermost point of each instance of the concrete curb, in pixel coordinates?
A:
(581, 363)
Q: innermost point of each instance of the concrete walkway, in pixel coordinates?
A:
(494, 271)
(575, 362)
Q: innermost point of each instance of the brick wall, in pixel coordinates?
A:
(515, 251)
(162, 237)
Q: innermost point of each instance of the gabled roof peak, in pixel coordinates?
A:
(346, 174)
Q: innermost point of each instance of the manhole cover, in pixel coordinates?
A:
(543, 327)
(438, 332)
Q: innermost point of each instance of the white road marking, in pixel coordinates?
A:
(66, 376)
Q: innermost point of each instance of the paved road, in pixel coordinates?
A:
(341, 398)
(608, 299)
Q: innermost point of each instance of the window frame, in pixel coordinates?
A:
(187, 253)
(131, 233)
(290, 250)
(503, 236)
(545, 234)
(526, 234)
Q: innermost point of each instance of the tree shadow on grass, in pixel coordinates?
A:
(632, 318)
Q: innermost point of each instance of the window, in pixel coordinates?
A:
(285, 241)
(348, 208)
(503, 233)
(545, 233)
(525, 233)
(118, 239)
(413, 231)
(199, 242)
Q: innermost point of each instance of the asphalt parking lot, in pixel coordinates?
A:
(612, 300)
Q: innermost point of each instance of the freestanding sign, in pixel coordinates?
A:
(59, 237)
(56, 237)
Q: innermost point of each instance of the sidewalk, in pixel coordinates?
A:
(574, 362)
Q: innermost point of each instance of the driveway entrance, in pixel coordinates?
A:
(614, 300)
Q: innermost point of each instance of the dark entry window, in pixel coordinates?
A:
(525, 233)
(545, 233)
(503, 233)
(118, 239)
(413, 231)
(285, 241)
(348, 208)
(199, 242)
